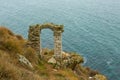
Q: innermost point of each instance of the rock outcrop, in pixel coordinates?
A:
(25, 61)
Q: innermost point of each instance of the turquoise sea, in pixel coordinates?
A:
(92, 27)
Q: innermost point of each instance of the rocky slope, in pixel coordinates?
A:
(20, 62)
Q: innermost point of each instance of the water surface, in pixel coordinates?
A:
(92, 27)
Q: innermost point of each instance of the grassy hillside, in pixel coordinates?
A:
(11, 67)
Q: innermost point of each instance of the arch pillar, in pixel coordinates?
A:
(34, 39)
(57, 44)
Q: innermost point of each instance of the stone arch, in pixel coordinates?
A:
(35, 42)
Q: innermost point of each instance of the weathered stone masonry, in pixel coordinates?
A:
(35, 42)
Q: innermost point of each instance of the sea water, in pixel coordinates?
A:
(92, 27)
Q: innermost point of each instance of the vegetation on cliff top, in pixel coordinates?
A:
(12, 69)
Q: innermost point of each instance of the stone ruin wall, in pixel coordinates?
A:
(35, 42)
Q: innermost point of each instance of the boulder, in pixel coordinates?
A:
(52, 60)
(65, 55)
(100, 77)
(72, 60)
(25, 61)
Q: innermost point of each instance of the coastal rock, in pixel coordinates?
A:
(100, 77)
(25, 61)
(65, 55)
(52, 61)
(71, 60)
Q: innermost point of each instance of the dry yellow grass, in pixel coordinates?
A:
(5, 32)
(69, 74)
(10, 71)
(10, 42)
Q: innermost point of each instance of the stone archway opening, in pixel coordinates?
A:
(35, 40)
(47, 41)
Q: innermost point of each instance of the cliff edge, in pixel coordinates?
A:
(18, 61)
